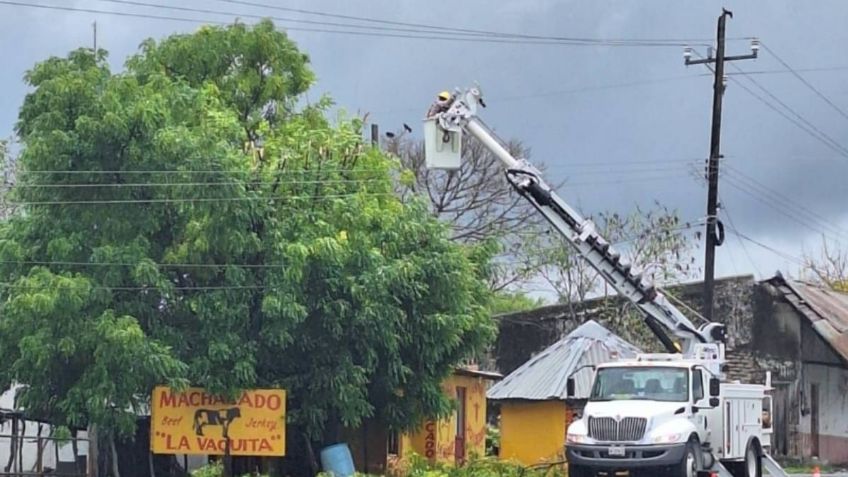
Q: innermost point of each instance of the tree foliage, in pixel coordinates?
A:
(182, 223)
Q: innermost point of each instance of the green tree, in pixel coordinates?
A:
(182, 223)
(511, 302)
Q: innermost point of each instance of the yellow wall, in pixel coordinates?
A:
(533, 432)
(436, 439)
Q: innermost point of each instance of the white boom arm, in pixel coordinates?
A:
(580, 233)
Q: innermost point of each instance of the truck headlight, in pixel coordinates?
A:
(667, 438)
(576, 438)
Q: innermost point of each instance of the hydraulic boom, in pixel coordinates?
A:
(580, 233)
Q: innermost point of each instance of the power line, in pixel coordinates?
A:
(194, 171)
(169, 200)
(322, 170)
(787, 213)
(95, 185)
(742, 243)
(497, 100)
(140, 288)
(665, 42)
(785, 255)
(284, 19)
(806, 216)
(789, 202)
(811, 130)
(196, 199)
(680, 302)
(61, 263)
(799, 70)
(671, 164)
(806, 83)
(430, 36)
(818, 133)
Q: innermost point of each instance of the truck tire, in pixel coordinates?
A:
(691, 462)
(575, 470)
(753, 466)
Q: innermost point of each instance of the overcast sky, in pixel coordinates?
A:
(622, 125)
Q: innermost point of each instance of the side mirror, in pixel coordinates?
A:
(569, 387)
(715, 387)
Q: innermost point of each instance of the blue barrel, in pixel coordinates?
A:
(336, 460)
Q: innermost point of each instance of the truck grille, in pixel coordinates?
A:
(608, 429)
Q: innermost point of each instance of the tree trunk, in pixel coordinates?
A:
(93, 454)
(116, 471)
(313, 462)
(150, 463)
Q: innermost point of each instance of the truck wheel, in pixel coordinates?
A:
(575, 470)
(691, 462)
(753, 465)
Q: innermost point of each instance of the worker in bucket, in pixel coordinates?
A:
(441, 104)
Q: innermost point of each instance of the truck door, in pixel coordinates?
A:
(699, 399)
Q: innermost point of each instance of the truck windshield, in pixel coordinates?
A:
(649, 383)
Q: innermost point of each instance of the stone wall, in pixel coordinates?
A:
(524, 334)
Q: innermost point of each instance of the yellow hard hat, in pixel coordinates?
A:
(444, 95)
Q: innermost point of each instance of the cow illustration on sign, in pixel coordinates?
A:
(211, 417)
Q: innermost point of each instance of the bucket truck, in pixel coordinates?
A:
(667, 413)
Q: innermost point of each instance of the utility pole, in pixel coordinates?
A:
(94, 28)
(712, 239)
(375, 135)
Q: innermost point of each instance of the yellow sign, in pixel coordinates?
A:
(195, 422)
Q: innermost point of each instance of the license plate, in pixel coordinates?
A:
(616, 451)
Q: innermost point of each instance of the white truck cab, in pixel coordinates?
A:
(663, 414)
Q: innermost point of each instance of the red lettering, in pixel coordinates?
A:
(259, 401)
(183, 399)
(245, 400)
(194, 399)
(167, 399)
(168, 443)
(184, 443)
(264, 445)
(274, 402)
(430, 440)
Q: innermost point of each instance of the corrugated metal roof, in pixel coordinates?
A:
(544, 376)
(476, 373)
(826, 309)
